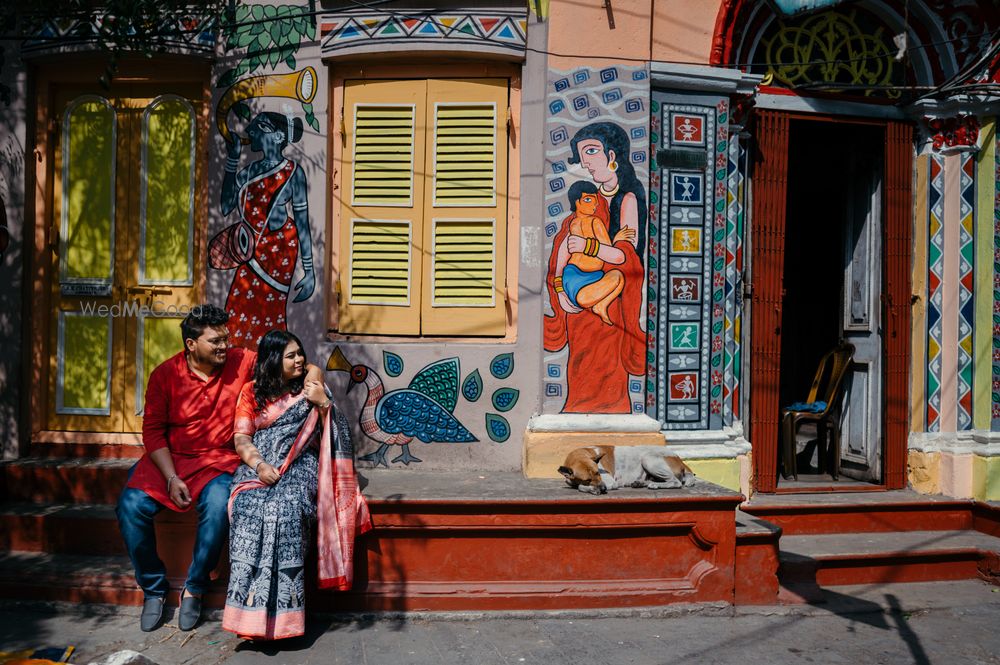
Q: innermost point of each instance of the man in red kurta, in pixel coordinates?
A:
(187, 430)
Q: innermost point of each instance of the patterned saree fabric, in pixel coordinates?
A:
(271, 525)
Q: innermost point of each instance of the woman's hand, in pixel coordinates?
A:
(315, 392)
(267, 474)
(234, 148)
(567, 304)
(575, 244)
(625, 233)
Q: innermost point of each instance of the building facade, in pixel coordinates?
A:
(512, 229)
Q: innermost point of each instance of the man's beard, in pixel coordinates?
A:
(210, 358)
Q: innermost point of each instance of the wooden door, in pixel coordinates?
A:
(861, 324)
(126, 266)
(897, 252)
(770, 193)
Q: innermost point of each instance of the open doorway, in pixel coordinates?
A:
(832, 279)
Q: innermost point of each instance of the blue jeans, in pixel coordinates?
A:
(136, 511)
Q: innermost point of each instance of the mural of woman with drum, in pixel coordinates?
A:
(272, 234)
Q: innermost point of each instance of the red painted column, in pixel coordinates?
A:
(770, 188)
(897, 251)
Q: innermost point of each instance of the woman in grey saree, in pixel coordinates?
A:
(298, 469)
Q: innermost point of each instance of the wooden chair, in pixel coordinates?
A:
(826, 387)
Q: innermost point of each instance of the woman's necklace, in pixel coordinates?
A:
(611, 193)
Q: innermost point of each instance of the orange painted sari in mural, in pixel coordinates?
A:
(259, 293)
(601, 357)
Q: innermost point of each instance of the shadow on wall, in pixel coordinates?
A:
(12, 202)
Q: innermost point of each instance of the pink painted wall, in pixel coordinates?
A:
(580, 30)
(681, 31)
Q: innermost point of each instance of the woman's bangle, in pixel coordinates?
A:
(557, 284)
(257, 465)
(170, 480)
(325, 406)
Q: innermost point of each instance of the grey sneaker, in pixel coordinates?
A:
(189, 612)
(152, 613)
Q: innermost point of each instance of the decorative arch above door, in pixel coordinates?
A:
(851, 46)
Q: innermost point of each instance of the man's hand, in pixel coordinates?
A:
(268, 474)
(179, 493)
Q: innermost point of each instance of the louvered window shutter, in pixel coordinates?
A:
(382, 209)
(465, 227)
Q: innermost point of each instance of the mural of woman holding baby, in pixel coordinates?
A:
(603, 332)
(271, 198)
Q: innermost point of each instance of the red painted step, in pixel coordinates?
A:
(54, 449)
(902, 510)
(82, 579)
(757, 550)
(60, 480)
(86, 529)
(884, 557)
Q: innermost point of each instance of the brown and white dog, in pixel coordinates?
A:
(597, 469)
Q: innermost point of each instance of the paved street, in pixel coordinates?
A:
(943, 622)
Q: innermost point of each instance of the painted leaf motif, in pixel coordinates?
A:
(417, 415)
(227, 79)
(502, 365)
(497, 427)
(504, 399)
(392, 363)
(439, 381)
(275, 31)
(472, 387)
(242, 110)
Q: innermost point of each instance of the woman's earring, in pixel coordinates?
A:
(613, 165)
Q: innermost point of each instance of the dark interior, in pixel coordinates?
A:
(819, 174)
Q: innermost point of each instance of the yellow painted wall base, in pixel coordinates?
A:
(544, 452)
(960, 476)
(724, 471)
(986, 478)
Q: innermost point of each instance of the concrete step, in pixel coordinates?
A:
(64, 480)
(868, 512)
(882, 557)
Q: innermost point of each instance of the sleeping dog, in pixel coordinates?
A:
(597, 469)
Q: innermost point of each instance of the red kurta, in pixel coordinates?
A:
(194, 419)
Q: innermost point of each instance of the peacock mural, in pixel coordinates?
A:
(423, 410)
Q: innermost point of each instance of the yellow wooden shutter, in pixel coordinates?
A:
(464, 284)
(382, 211)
